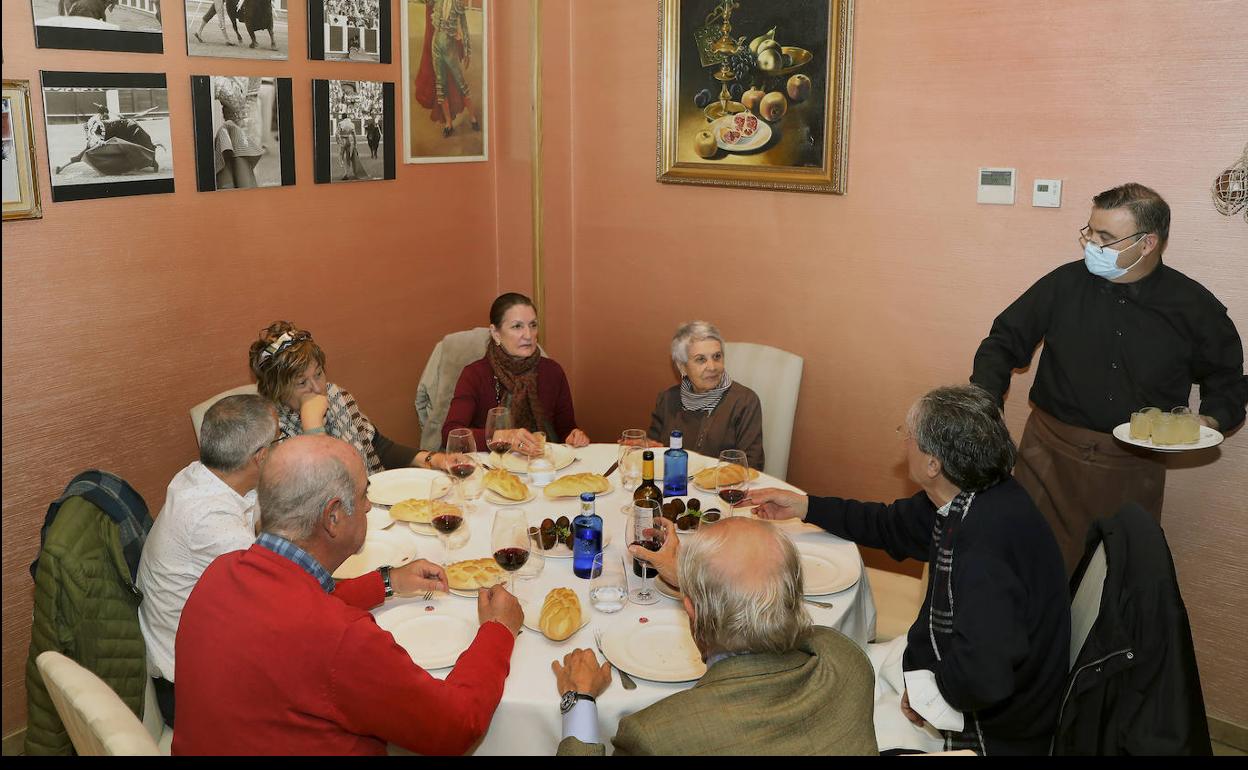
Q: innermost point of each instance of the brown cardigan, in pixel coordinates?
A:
(737, 423)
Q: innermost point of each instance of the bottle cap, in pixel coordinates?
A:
(647, 455)
(678, 440)
(587, 497)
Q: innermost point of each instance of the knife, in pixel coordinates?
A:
(610, 470)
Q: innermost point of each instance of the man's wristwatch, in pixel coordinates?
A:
(570, 698)
(385, 578)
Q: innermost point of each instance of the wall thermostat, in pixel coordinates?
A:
(996, 185)
(1047, 193)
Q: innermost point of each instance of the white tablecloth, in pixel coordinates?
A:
(527, 720)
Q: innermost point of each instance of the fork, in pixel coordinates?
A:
(625, 679)
(428, 595)
(825, 605)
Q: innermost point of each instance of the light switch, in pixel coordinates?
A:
(1047, 193)
(996, 185)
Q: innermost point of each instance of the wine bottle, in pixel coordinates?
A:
(586, 538)
(648, 489)
(676, 468)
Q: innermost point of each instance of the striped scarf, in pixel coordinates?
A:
(945, 528)
(691, 401)
(343, 420)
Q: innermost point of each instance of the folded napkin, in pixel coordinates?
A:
(925, 698)
(892, 729)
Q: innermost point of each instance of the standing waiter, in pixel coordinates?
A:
(1121, 331)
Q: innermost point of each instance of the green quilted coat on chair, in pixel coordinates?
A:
(86, 607)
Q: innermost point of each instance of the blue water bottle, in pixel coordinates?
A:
(676, 468)
(586, 538)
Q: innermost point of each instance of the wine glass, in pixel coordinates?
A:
(537, 559)
(645, 530)
(498, 418)
(462, 448)
(630, 466)
(509, 541)
(732, 477)
(447, 517)
(633, 437)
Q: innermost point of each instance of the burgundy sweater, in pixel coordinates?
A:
(475, 396)
(268, 663)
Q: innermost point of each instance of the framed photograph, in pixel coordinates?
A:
(352, 130)
(244, 132)
(446, 69)
(237, 29)
(755, 93)
(108, 134)
(349, 30)
(99, 25)
(21, 177)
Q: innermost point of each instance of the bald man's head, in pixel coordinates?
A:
(744, 579)
(300, 477)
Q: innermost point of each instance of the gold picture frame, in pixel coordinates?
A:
(799, 82)
(21, 174)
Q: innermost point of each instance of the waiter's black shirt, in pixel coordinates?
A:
(1111, 349)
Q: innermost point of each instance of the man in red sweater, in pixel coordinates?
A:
(273, 657)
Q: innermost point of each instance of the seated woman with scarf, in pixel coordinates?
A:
(712, 411)
(290, 371)
(514, 374)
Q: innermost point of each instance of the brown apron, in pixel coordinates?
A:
(1076, 475)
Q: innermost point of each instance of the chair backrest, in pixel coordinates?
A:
(776, 376)
(437, 382)
(98, 722)
(1086, 604)
(199, 410)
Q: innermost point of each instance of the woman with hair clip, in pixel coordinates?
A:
(289, 368)
(514, 374)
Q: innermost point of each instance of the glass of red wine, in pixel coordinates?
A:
(645, 530)
(498, 418)
(447, 516)
(732, 477)
(509, 541)
(461, 446)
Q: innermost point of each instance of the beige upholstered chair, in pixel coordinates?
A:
(897, 600)
(776, 376)
(1086, 605)
(198, 411)
(98, 722)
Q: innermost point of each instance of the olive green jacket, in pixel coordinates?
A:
(817, 699)
(86, 607)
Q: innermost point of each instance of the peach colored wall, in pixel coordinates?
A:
(888, 290)
(120, 314)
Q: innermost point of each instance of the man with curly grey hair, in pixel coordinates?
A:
(986, 659)
(774, 684)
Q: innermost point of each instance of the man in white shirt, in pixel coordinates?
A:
(210, 509)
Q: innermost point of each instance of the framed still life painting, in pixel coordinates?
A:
(21, 176)
(755, 93)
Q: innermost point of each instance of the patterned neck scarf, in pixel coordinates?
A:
(949, 519)
(518, 376)
(691, 401)
(343, 420)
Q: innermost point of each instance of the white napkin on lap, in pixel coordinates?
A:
(925, 698)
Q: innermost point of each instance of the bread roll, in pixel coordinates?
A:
(472, 574)
(561, 614)
(420, 511)
(505, 484)
(573, 485)
(708, 478)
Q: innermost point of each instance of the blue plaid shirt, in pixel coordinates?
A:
(283, 547)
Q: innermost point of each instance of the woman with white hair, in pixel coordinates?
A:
(712, 411)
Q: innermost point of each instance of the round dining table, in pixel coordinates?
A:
(527, 720)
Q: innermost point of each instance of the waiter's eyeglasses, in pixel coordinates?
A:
(1085, 236)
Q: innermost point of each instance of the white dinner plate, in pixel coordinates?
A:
(827, 570)
(394, 486)
(379, 518)
(533, 611)
(656, 646)
(394, 547)
(494, 498)
(561, 551)
(760, 138)
(598, 495)
(1208, 438)
(562, 455)
(435, 638)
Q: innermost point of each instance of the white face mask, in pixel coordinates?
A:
(1103, 262)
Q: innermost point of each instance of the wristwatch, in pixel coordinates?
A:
(570, 698)
(385, 578)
